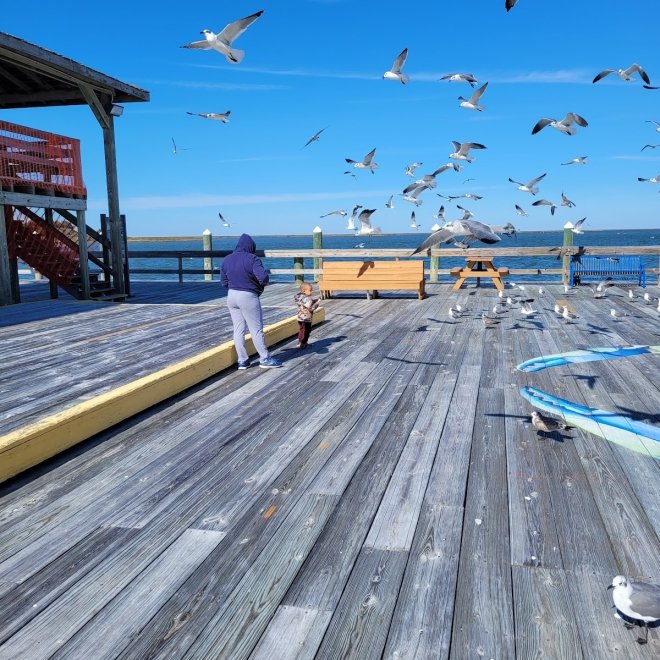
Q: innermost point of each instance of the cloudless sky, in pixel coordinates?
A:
(312, 64)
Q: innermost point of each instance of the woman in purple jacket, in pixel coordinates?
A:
(245, 276)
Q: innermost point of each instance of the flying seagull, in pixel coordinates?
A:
(350, 225)
(471, 229)
(175, 149)
(460, 77)
(217, 116)
(473, 102)
(650, 146)
(564, 125)
(577, 227)
(222, 41)
(428, 180)
(463, 196)
(566, 202)
(657, 124)
(509, 4)
(653, 179)
(600, 290)
(624, 74)
(580, 160)
(349, 173)
(521, 212)
(223, 221)
(412, 196)
(340, 212)
(390, 204)
(462, 150)
(637, 600)
(410, 169)
(413, 221)
(314, 137)
(545, 202)
(395, 72)
(528, 187)
(365, 163)
(365, 223)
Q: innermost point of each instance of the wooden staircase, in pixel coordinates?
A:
(51, 248)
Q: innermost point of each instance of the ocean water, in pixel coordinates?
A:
(388, 241)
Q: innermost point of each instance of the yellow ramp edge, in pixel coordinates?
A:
(28, 446)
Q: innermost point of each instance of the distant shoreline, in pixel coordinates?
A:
(159, 239)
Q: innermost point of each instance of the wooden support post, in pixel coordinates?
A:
(207, 246)
(116, 238)
(566, 260)
(6, 294)
(435, 266)
(52, 287)
(298, 265)
(317, 244)
(104, 247)
(127, 275)
(82, 251)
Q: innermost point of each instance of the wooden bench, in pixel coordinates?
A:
(479, 267)
(372, 277)
(624, 268)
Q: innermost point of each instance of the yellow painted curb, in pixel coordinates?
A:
(32, 444)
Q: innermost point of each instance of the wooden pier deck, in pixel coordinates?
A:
(382, 495)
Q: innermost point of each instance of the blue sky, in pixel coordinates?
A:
(312, 64)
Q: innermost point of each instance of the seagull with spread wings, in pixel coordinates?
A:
(580, 160)
(395, 72)
(462, 150)
(314, 137)
(470, 229)
(624, 74)
(222, 42)
(473, 102)
(461, 77)
(367, 163)
(528, 187)
(564, 125)
(216, 116)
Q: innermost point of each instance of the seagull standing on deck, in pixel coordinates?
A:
(639, 601)
(222, 42)
(564, 125)
(624, 74)
(548, 424)
(395, 72)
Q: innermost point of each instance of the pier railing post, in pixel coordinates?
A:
(207, 246)
(566, 260)
(435, 260)
(298, 265)
(317, 244)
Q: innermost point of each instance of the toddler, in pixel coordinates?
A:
(306, 306)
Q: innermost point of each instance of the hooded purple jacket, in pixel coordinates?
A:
(242, 269)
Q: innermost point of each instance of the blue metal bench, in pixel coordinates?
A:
(628, 268)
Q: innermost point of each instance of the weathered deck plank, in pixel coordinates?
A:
(384, 494)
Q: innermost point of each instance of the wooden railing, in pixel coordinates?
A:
(437, 255)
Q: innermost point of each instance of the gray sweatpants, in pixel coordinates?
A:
(245, 310)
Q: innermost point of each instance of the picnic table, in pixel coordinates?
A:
(479, 267)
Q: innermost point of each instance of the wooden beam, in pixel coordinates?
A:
(6, 295)
(97, 107)
(42, 201)
(45, 61)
